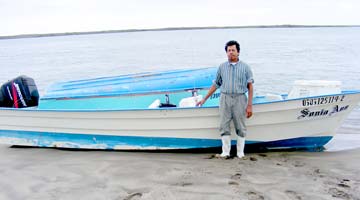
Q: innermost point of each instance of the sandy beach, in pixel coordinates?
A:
(38, 173)
(45, 173)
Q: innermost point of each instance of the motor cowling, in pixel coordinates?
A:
(19, 92)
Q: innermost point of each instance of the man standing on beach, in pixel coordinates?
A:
(234, 78)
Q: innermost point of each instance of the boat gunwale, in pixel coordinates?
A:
(31, 109)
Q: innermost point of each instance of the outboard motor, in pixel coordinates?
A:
(20, 92)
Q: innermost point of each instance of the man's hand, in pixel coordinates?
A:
(210, 92)
(248, 111)
(200, 103)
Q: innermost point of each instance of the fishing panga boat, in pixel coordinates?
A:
(153, 111)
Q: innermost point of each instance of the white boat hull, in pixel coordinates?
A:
(299, 123)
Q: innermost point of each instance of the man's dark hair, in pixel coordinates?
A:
(231, 43)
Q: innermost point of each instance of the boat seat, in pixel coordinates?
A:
(155, 104)
(190, 101)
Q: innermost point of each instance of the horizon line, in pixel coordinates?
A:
(35, 35)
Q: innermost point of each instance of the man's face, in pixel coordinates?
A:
(232, 53)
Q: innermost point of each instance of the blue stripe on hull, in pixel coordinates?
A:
(47, 139)
(302, 142)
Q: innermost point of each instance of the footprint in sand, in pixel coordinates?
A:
(339, 193)
(253, 158)
(293, 195)
(298, 164)
(344, 183)
(236, 176)
(254, 196)
(318, 173)
(183, 184)
(234, 179)
(233, 183)
(133, 196)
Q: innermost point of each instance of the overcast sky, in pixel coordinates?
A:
(53, 16)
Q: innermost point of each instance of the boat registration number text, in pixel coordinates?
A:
(322, 100)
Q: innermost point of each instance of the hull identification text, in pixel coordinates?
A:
(322, 100)
(307, 113)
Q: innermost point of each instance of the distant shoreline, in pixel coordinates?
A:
(168, 29)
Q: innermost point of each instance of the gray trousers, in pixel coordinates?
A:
(233, 107)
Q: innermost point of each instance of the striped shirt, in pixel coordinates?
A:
(233, 78)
